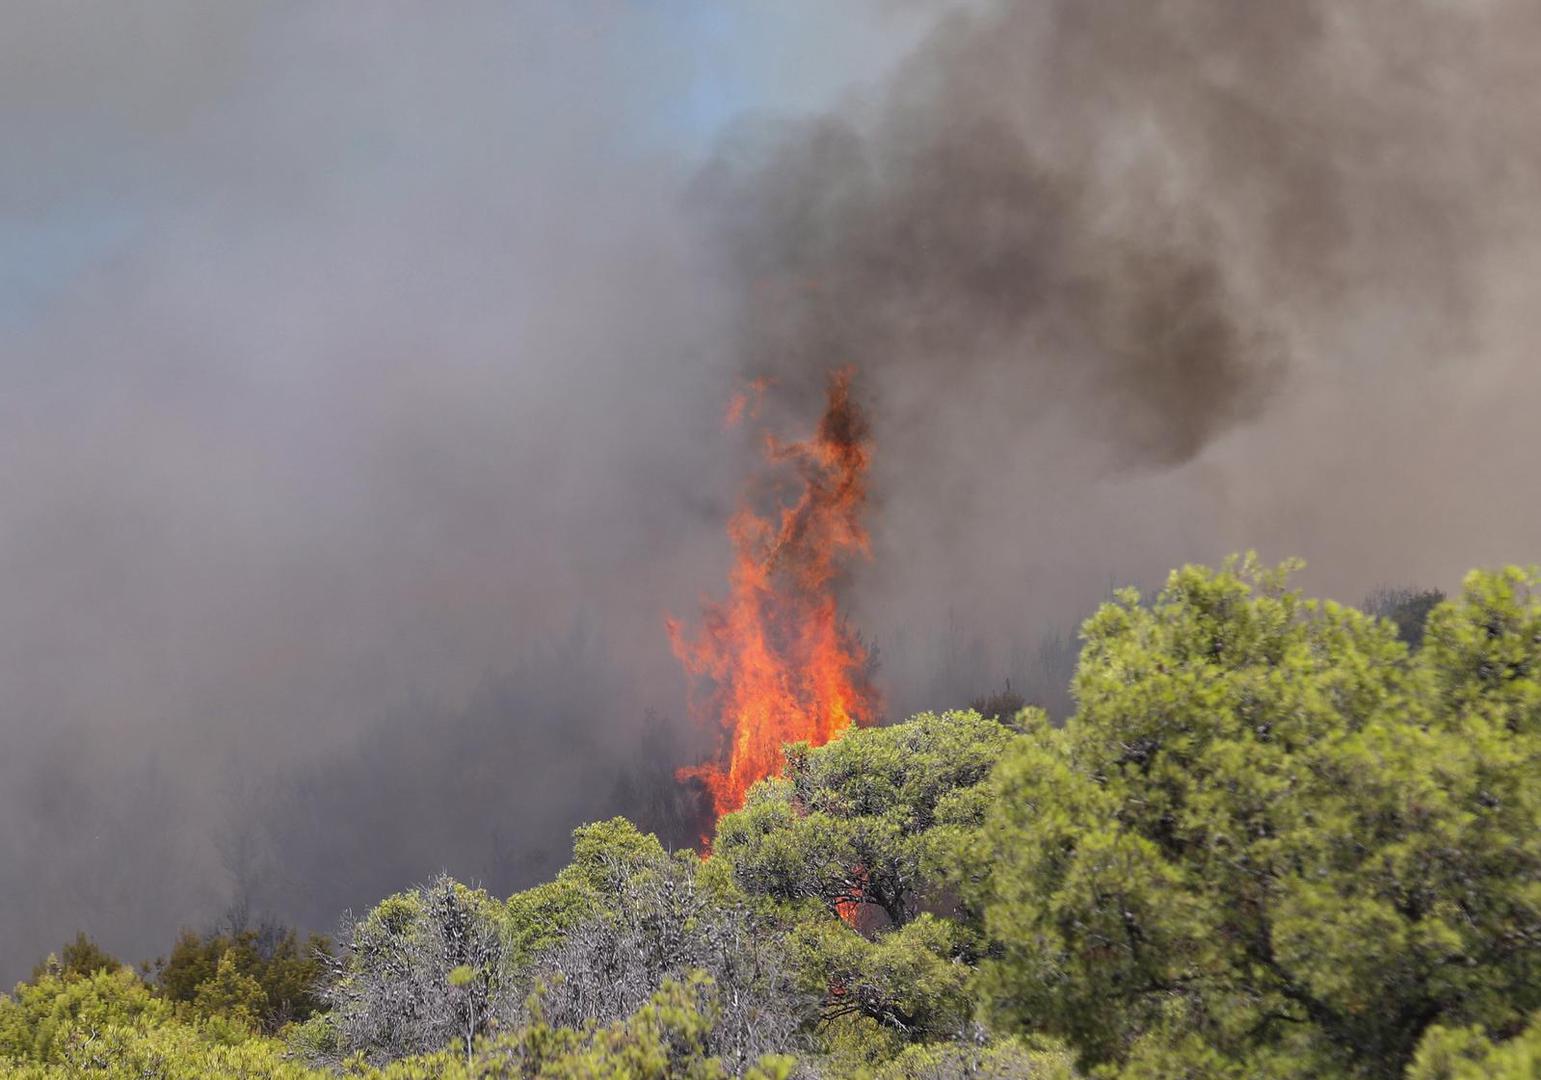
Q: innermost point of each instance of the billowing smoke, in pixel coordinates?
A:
(362, 372)
(1147, 213)
(359, 420)
(1137, 282)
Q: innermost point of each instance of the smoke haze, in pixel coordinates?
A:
(363, 372)
(1135, 283)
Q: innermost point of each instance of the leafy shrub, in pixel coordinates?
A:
(79, 957)
(661, 921)
(857, 845)
(1468, 1054)
(1273, 841)
(286, 970)
(1270, 842)
(401, 987)
(36, 1020)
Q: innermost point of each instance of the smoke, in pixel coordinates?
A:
(1134, 283)
(1148, 213)
(356, 361)
(363, 369)
(945, 248)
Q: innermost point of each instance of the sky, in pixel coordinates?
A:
(362, 369)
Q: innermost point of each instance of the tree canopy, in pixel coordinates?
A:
(1271, 840)
(1277, 838)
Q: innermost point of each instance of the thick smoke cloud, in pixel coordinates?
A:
(359, 402)
(944, 243)
(363, 369)
(1136, 210)
(1120, 275)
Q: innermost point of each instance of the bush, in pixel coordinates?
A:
(287, 971)
(660, 922)
(858, 845)
(423, 968)
(80, 957)
(37, 1020)
(1468, 1054)
(1270, 842)
(1273, 841)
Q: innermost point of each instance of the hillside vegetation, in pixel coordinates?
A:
(1275, 840)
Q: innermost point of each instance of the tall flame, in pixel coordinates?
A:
(775, 662)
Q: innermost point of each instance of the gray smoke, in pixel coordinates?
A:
(1145, 212)
(1136, 282)
(362, 376)
(359, 421)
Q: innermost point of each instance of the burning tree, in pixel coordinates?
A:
(775, 662)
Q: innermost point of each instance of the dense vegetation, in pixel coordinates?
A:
(1278, 838)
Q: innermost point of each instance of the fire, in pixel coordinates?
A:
(775, 662)
(745, 401)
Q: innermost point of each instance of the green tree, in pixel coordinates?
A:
(913, 980)
(289, 970)
(664, 1039)
(1468, 1054)
(79, 957)
(1270, 842)
(231, 994)
(193, 960)
(37, 1019)
(420, 970)
(1008, 1059)
(605, 854)
(164, 1051)
(667, 1037)
(856, 847)
(868, 825)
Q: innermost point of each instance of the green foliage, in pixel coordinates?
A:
(1270, 843)
(230, 993)
(869, 821)
(649, 918)
(112, 1024)
(857, 848)
(604, 854)
(165, 1051)
(1009, 1059)
(665, 1038)
(1483, 655)
(909, 979)
(80, 957)
(1468, 1054)
(286, 970)
(37, 1019)
(421, 968)
(1273, 842)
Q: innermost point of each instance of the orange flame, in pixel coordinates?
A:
(747, 401)
(775, 662)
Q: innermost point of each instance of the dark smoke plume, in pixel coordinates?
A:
(1135, 282)
(1136, 210)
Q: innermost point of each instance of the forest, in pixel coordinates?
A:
(1277, 837)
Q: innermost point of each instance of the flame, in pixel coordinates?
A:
(775, 662)
(746, 401)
